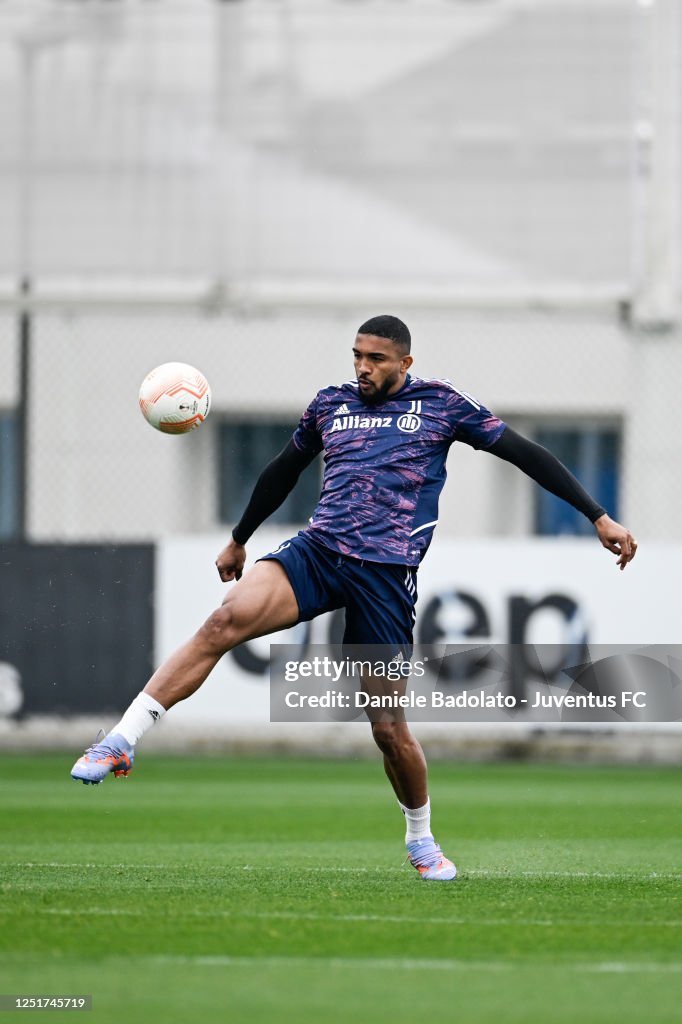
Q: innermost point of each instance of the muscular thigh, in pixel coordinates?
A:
(261, 602)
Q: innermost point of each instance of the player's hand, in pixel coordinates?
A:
(616, 538)
(230, 561)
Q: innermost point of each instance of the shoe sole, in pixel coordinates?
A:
(423, 872)
(438, 878)
(116, 772)
(96, 782)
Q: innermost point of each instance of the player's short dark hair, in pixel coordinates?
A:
(386, 326)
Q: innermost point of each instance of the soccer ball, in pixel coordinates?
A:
(175, 398)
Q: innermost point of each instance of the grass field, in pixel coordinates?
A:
(274, 891)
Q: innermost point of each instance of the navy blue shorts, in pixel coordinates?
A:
(379, 598)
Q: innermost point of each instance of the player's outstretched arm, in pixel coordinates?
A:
(273, 485)
(543, 467)
(616, 538)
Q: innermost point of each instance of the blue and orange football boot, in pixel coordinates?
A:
(427, 857)
(113, 754)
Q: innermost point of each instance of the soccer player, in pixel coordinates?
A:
(386, 436)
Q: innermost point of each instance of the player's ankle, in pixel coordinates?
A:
(417, 821)
(143, 713)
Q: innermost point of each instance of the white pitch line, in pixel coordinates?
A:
(486, 873)
(285, 915)
(102, 866)
(401, 964)
(332, 869)
(392, 964)
(204, 867)
(293, 916)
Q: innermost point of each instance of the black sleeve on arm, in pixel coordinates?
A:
(546, 470)
(275, 482)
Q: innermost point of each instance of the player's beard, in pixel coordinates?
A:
(376, 395)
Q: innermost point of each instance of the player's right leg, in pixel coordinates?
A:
(405, 766)
(262, 602)
(380, 611)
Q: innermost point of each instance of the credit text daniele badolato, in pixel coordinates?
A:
(465, 699)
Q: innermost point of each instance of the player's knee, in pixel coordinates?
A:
(389, 737)
(218, 632)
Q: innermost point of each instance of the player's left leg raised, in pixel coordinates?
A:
(261, 602)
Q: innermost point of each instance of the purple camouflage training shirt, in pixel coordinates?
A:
(385, 464)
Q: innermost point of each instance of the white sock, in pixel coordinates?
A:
(418, 821)
(142, 714)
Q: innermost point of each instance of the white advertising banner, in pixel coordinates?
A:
(549, 591)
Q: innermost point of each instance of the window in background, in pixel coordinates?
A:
(9, 475)
(245, 448)
(592, 453)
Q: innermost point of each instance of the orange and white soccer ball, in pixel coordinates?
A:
(175, 398)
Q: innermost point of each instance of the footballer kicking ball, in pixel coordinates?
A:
(175, 398)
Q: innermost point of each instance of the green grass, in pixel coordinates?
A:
(273, 891)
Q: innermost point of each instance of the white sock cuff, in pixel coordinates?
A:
(417, 820)
(148, 702)
(140, 716)
(416, 812)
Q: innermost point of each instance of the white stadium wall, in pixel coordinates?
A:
(9, 370)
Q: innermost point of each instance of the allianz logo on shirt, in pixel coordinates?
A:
(408, 422)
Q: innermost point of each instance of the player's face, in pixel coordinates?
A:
(380, 367)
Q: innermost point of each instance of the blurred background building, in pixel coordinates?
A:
(239, 183)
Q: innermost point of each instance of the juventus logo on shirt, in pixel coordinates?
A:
(410, 422)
